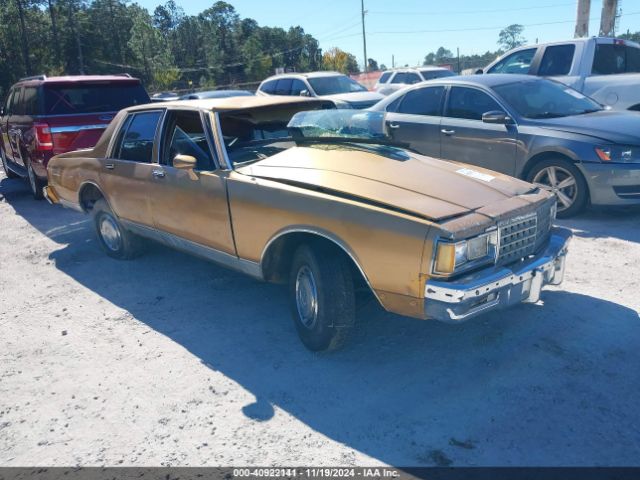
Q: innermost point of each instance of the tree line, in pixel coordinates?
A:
(166, 48)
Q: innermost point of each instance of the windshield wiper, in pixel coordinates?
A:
(589, 110)
(351, 140)
(548, 115)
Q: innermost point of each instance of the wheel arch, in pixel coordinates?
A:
(542, 156)
(277, 255)
(88, 193)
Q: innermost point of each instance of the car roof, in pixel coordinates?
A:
(487, 80)
(304, 75)
(230, 103)
(217, 94)
(40, 79)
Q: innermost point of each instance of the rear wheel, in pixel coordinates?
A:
(35, 184)
(565, 181)
(322, 297)
(8, 173)
(115, 240)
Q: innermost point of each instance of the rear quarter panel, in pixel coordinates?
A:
(68, 172)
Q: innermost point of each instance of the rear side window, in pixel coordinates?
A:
(399, 78)
(16, 102)
(470, 103)
(610, 59)
(92, 98)
(431, 74)
(384, 77)
(269, 87)
(283, 87)
(408, 78)
(557, 60)
(518, 62)
(422, 101)
(30, 101)
(136, 144)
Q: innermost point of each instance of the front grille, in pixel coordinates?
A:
(524, 235)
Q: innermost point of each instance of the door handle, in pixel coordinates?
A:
(109, 166)
(158, 173)
(448, 132)
(394, 125)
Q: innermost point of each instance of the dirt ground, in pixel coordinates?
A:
(168, 360)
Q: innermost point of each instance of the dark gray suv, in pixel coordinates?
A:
(527, 127)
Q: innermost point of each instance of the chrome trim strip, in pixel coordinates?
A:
(222, 258)
(78, 128)
(225, 163)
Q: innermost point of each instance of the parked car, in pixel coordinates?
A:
(44, 116)
(216, 94)
(605, 69)
(342, 90)
(394, 80)
(327, 205)
(532, 128)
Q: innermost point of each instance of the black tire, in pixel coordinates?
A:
(577, 192)
(114, 239)
(327, 326)
(35, 184)
(7, 172)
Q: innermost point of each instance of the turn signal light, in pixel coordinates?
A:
(446, 258)
(604, 155)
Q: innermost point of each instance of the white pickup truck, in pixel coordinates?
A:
(605, 69)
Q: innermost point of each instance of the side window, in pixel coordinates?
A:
(470, 103)
(422, 101)
(610, 59)
(17, 107)
(8, 102)
(401, 77)
(137, 141)
(384, 77)
(269, 87)
(557, 60)
(185, 135)
(518, 62)
(30, 100)
(283, 87)
(297, 86)
(393, 106)
(412, 78)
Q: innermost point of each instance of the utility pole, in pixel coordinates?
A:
(364, 39)
(458, 52)
(608, 18)
(582, 19)
(393, 61)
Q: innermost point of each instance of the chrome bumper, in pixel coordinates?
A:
(498, 287)
(50, 194)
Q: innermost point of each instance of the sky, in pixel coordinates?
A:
(409, 29)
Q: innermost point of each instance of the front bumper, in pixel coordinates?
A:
(498, 287)
(612, 184)
(50, 194)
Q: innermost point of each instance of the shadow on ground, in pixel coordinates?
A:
(536, 385)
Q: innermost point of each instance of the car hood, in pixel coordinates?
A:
(391, 178)
(608, 126)
(355, 97)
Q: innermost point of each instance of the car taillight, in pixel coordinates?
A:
(44, 139)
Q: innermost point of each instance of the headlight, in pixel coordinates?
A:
(341, 104)
(618, 154)
(460, 256)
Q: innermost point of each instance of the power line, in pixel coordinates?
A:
(465, 12)
(483, 28)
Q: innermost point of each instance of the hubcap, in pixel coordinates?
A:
(559, 181)
(110, 233)
(306, 297)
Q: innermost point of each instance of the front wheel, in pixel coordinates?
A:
(322, 297)
(565, 181)
(115, 240)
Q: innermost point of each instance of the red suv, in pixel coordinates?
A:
(44, 116)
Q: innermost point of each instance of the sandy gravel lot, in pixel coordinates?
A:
(168, 360)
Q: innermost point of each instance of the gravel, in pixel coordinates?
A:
(169, 360)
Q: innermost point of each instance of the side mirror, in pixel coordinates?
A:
(305, 93)
(184, 162)
(497, 117)
(479, 71)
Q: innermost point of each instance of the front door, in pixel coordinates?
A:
(192, 203)
(464, 137)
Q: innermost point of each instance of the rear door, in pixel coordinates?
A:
(5, 141)
(15, 119)
(127, 175)
(466, 138)
(416, 119)
(191, 204)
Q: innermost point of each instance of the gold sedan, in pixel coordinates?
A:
(291, 190)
